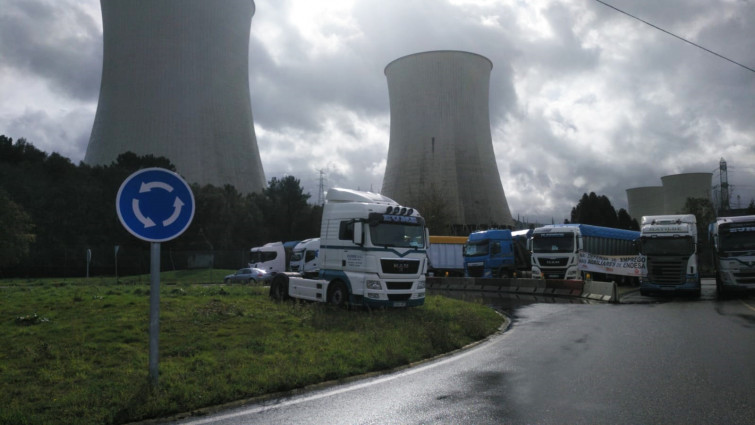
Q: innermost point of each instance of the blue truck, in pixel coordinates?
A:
(497, 253)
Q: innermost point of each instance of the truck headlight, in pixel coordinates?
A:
(374, 284)
(421, 284)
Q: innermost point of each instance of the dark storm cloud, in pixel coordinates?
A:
(57, 41)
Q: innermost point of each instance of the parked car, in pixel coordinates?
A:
(247, 275)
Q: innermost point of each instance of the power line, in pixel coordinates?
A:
(674, 35)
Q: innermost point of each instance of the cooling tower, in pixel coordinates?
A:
(645, 201)
(678, 187)
(440, 142)
(175, 83)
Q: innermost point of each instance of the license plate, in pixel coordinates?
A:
(399, 304)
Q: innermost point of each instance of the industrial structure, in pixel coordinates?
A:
(440, 141)
(175, 83)
(670, 197)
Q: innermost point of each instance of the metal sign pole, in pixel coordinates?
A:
(154, 311)
(117, 247)
(155, 205)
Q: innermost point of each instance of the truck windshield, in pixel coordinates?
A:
(553, 242)
(398, 235)
(668, 246)
(734, 240)
(476, 248)
(296, 256)
(262, 256)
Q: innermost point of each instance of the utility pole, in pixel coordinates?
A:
(724, 186)
(321, 189)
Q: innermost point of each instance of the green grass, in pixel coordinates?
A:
(77, 350)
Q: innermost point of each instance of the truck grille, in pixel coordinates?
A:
(399, 286)
(667, 271)
(745, 276)
(399, 266)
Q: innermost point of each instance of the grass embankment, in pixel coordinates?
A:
(77, 350)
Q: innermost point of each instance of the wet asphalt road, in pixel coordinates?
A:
(676, 361)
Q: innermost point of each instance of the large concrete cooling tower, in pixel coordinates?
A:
(647, 200)
(678, 187)
(440, 143)
(175, 83)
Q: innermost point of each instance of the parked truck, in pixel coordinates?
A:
(270, 257)
(373, 252)
(305, 259)
(446, 255)
(572, 251)
(669, 246)
(495, 253)
(733, 240)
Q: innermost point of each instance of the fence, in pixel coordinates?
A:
(126, 261)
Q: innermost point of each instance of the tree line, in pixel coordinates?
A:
(52, 212)
(598, 211)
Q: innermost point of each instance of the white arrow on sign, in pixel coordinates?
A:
(146, 221)
(146, 187)
(177, 205)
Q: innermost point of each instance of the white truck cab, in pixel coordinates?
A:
(270, 257)
(373, 252)
(306, 257)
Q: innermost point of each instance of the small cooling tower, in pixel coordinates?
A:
(440, 141)
(678, 187)
(175, 83)
(646, 200)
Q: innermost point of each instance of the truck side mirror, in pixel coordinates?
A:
(358, 237)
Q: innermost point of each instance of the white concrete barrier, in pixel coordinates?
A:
(594, 290)
(601, 291)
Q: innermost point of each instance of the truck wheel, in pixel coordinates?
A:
(338, 294)
(279, 287)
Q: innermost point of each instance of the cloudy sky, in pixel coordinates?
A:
(583, 98)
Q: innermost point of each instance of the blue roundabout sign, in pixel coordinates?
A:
(155, 204)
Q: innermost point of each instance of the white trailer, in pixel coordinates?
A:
(305, 259)
(373, 252)
(733, 240)
(669, 245)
